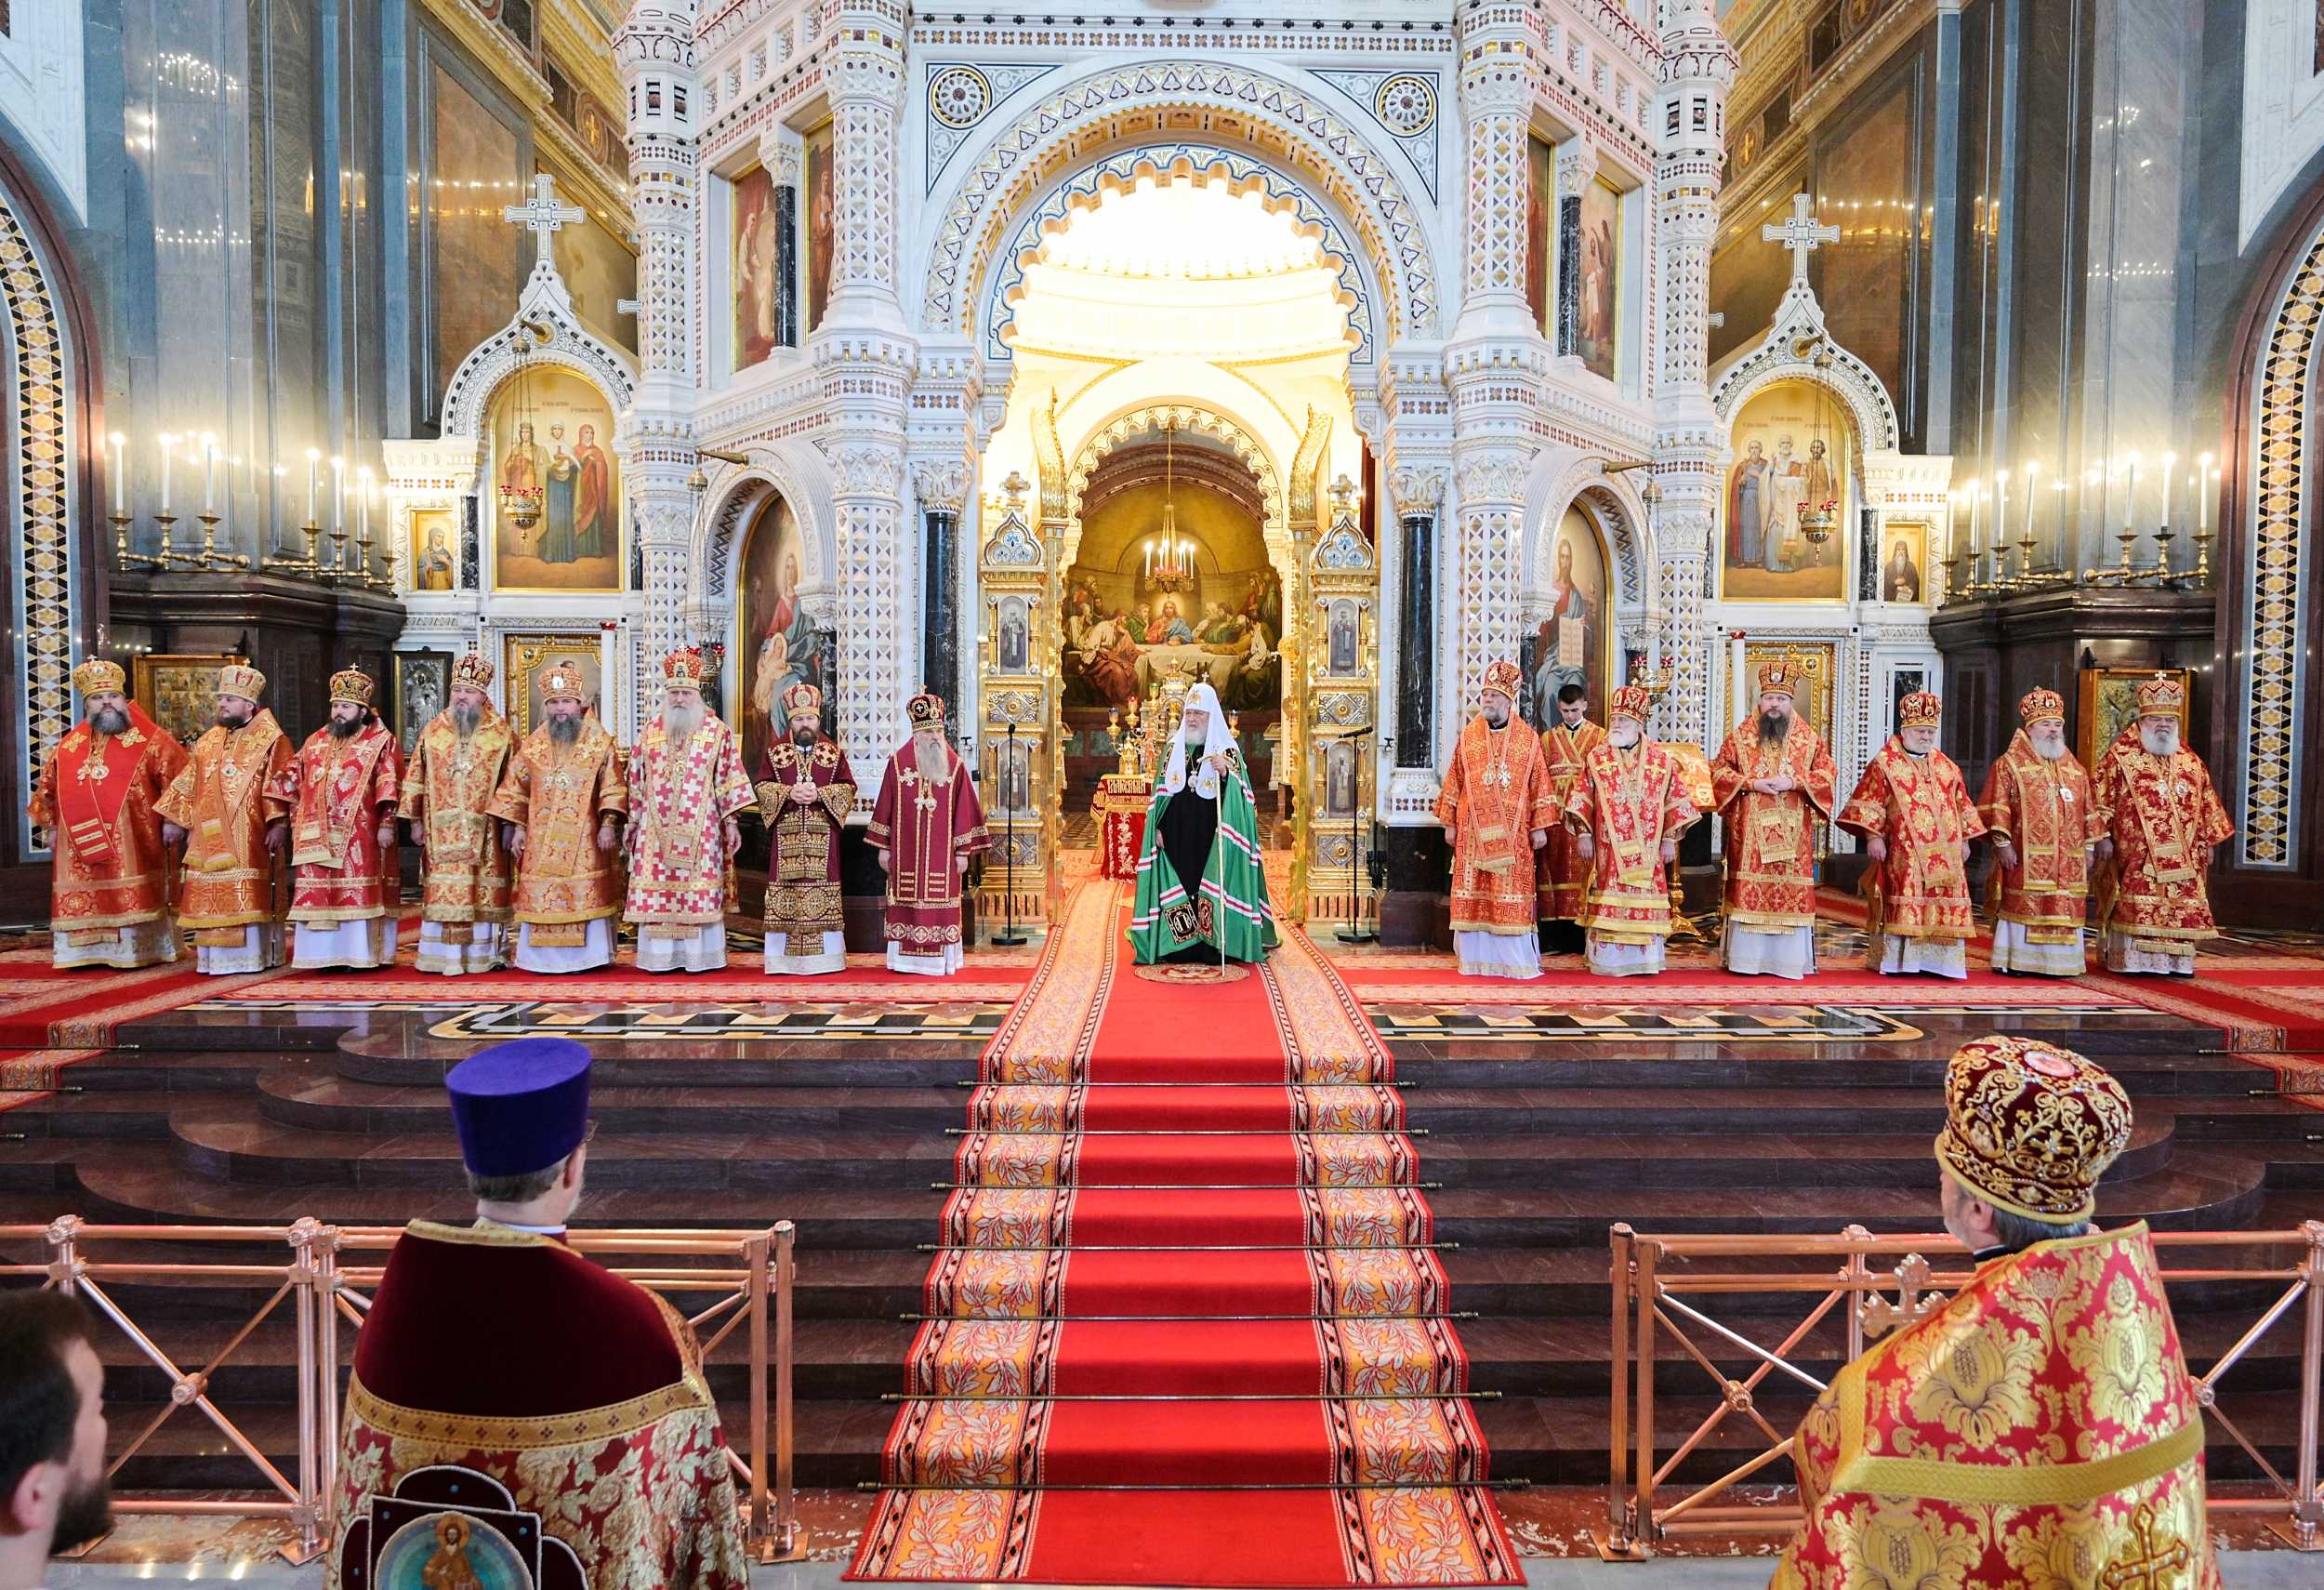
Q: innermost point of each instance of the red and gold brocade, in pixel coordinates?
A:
(1497, 792)
(2048, 813)
(1563, 875)
(504, 1352)
(803, 836)
(2040, 1430)
(99, 793)
(224, 798)
(1921, 806)
(680, 796)
(1771, 839)
(1631, 802)
(927, 827)
(338, 793)
(2165, 820)
(448, 784)
(559, 795)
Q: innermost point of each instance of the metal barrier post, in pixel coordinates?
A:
(2308, 1505)
(1620, 1544)
(787, 1541)
(307, 1509)
(760, 1544)
(63, 1238)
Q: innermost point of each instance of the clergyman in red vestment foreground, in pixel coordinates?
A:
(495, 1348)
(2040, 1427)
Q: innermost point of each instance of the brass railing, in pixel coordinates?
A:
(1651, 1298)
(754, 1288)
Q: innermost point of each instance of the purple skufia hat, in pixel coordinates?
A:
(520, 1106)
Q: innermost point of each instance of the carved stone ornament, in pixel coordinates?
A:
(544, 330)
(1020, 706)
(1416, 489)
(1492, 478)
(1344, 551)
(1013, 546)
(942, 485)
(865, 469)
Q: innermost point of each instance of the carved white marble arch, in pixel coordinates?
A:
(544, 331)
(1199, 419)
(799, 474)
(1565, 476)
(1276, 120)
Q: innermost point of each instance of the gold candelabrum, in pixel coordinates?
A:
(169, 559)
(311, 565)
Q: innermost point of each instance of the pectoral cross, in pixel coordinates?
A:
(2153, 1565)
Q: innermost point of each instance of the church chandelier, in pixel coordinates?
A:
(1817, 517)
(1170, 557)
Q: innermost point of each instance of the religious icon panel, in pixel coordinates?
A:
(1786, 505)
(435, 550)
(1903, 565)
(1540, 231)
(757, 281)
(529, 656)
(423, 688)
(822, 222)
(779, 643)
(1598, 303)
(557, 505)
(178, 690)
(1571, 646)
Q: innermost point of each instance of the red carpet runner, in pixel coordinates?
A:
(1185, 1327)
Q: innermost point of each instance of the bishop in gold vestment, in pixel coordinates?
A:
(341, 788)
(1498, 808)
(222, 804)
(1913, 808)
(456, 765)
(1626, 812)
(110, 886)
(2040, 812)
(2039, 1428)
(563, 797)
(2163, 820)
(1567, 746)
(686, 785)
(805, 797)
(1772, 783)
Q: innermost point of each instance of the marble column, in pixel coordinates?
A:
(1419, 494)
(942, 486)
(1577, 169)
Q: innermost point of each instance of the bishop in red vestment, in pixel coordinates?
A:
(806, 796)
(1773, 784)
(686, 785)
(2039, 812)
(1913, 808)
(223, 807)
(342, 789)
(2164, 820)
(925, 826)
(1626, 812)
(497, 1348)
(110, 889)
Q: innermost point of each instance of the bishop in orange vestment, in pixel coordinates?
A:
(1498, 808)
(342, 789)
(455, 766)
(686, 784)
(563, 798)
(1627, 811)
(224, 807)
(2040, 812)
(1772, 782)
(2040, 1427)
(1913, 808)
(1566, 746)
(2164, 819)
(110, 886)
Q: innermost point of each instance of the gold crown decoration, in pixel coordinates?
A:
(473, 671)
(95, 676)
(2042, 705)
(1781, 676)
(2161, 697)
(802, 700)
(1922, 709)
(925, 711)
(1632, 701)
(352, 684)
(2030, 1126)
(685, 668)
(1502, 678)
(241, 679)
(562, 681)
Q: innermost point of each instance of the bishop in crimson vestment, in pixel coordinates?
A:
(1498, 808)
(109, 885)
(223, 804)
(455, 766)
(563, 797)
(925, 826)
(342, 788)
(1626, 811)
(805, 797)
(2040, 1427)
(495, 1348)
(2040, 810)
(2163, 820)
(1201, 894)
(1564, 873)
(686, 784)
(1913, 808)
(1772, 782)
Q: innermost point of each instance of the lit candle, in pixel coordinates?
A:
(2059, 486)
(2203, 496)
(339, 494)
(314, 469)
(363, 505)
(2001, 509)
(1975, 490)
(121, 474)
(209, 474)
(2031, 470)
(168, 442)
(2168, 460)
(2130, 501)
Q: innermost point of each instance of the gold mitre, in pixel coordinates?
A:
(2042, 705)
(95, 676)
(2161, 697)
(562, 681)
(473, 673)
(352, 684)
(684, 668)
(802, 700)
(241, 679)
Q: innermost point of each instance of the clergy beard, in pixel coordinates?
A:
(108, 721)
(226, 720)
(928, 754)
(464, 718)
(1623, 735)
(1773, 729)
(565, 731)
(347, 728)
(680, 722)
(2162, 740)
(2047, 746)
(804, 735)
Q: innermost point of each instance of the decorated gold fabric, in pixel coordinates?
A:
(98, 794)
(2045, 808)
(682, 794)
(223, 798)
(1563, 875)
(447, 786)
(2037, 1431)
(338, 793)
(2029, 1127)
(1771, 839)
(803, 894)
(1921, 807)
(2165, 819)
(559, 794)
(1496, 794)
(97, 676)
(1632, 803)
